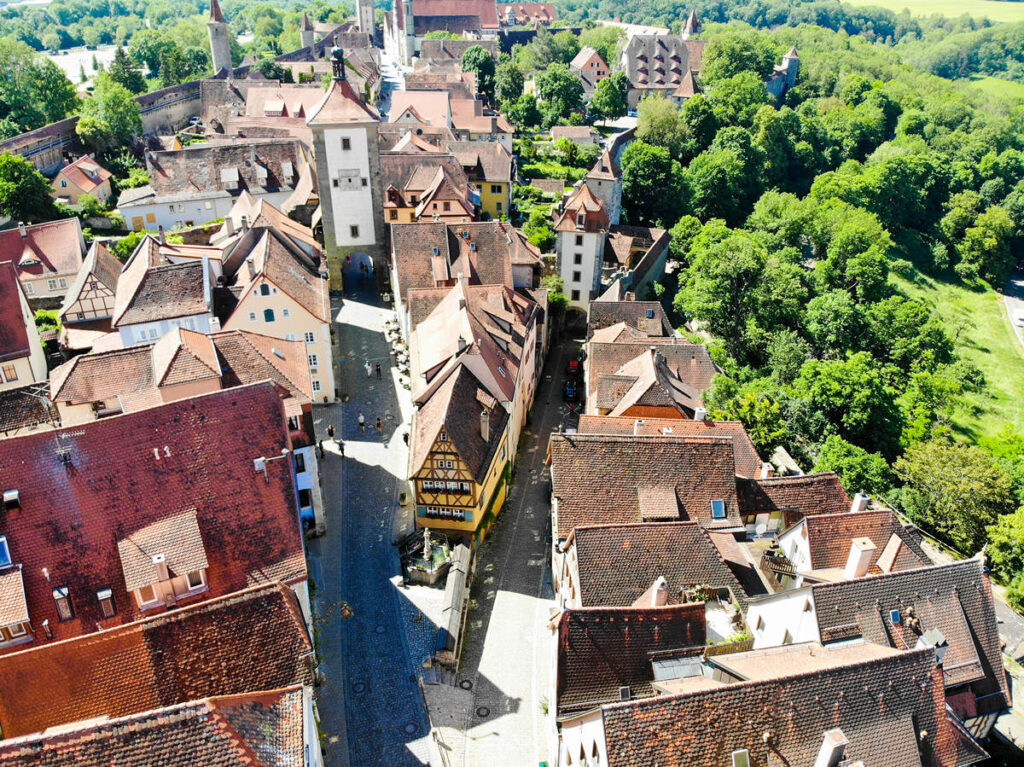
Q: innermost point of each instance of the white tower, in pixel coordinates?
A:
(306, 32)
(220, 43)
(348, 172)
(364, 10)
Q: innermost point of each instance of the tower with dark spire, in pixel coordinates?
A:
(306, 32)
(220, 43)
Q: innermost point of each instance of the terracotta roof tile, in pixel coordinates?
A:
(50, 248)
(690, 362)
(250, 640)
(829, 536)
(748, 462)
(804, 494)
(453, 49)
(12, 597)
(184, 356)
(13, 323)
(486, 10)
(956, 599)
(881, 705)
(121, 474)
(255, 728)
(483, 160)
(85, 173)
(163, 292)
(601, 650)
(176, 538)
(618, 563)
(595, 478)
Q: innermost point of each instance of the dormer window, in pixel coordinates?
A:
(106, 599)
(741, 758)
(62, 599)
(581, 219)
(164, 561)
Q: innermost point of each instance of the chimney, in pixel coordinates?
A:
(860, 502)
(22, 230)
(659, 593)
(252, 268)
(160, 236)
(462, 343)
(636, 426)
(230, 224)
(857, 564)
(767, 470)
(700, 414)
(494, 125)
(833, 746)
(485, 425)
(160, 565)
(245, 223)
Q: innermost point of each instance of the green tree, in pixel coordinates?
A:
(113, 103)
(604, 40)
(173, 67)
(557, 301)
(146, 47)
(732, 51)
(440, 34)
(538, 230)
(561, 91)
(834, 323)
(24, 193)
(659, 123)
(609, 101)
(958, 490)
(1005, 547)
(904, 332)
(760, 416)
(94, 132)
(985, 250)
(124, 73)
(652, 186)
(854, 398)
(33, 90)
(736, 100)
(508, 82)
(858, 470)
(524, 113)
(478, 60)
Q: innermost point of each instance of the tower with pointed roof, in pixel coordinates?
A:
(348, 173)
(582, 230)
(791, 66)
(605, 181)
(691, 26)
(306, 32)
(364, 14)
(220, 43)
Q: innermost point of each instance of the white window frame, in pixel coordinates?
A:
(286, 313)
(313, 360)
(17, 630)
(252, 316)
(202, 580)
(316, 385)
(147, 604)
(106, 595)
(310, 337)
(51, 284)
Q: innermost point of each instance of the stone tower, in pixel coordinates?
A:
(220, 43)
(791, 66)
(306, 32)
(348, 173)
(408, 50)
(366, 18)
(691, 26)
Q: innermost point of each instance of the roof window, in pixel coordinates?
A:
(12, 500)
(741, 758)
(718, 509)
(5, 552)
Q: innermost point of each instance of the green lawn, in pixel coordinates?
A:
(993, 9)
(994, 86)
(979, 324)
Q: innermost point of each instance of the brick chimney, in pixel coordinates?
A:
(485, 425)
(160, 565)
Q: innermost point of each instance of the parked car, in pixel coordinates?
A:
(572, 390)
(573, 368)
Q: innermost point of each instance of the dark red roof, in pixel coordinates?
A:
(882, 706)
(602, 649)
(13, 331)
(251, 640)
(122, 474)
(53, 247)
(829, 537)
(802, 495)
(486, 10)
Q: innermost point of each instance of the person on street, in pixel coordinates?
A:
(380, 427)
(369, 370)
(378, 370)
(341, 448)
(330, 431)
(362, 423)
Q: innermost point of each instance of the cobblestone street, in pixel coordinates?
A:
(370, 706)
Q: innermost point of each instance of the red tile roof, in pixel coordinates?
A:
(13, 327)
(802, 494)
(596, 478)
(487, 10)
(51, 248)
(616, 564)
(748, 462)
(882, 706)
(85, 173)
(956, 599)
(341, 104)
(250, 640)
(121, 474)
(602, 649)
(253, 729)
(829, 536)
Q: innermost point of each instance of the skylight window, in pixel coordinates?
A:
(718, 509)
(5, 552)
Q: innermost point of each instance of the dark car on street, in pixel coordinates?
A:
(572, 390)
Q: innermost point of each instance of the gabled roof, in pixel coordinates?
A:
(413, 173)
(605, 168)
(14, 330)
(430, 107)
(582, 201)
(647, 317)
(801, 495)
(748, 462)
(658, 62)
(87, 487)
(618, 563)
(273, 260)
(260, 213)
(50, 248)
(253, 728)
(646, 381)
(100, 265)
(389, 134)
(956, 599)
(254, 639)
(687, 87)
(882, 706)
(829, 536)
(85, 173)
(596, 478)
(603, 649)
(184, 356)
(160, 292)
(582, 58)
(453, 49)
(690, 362)
(483, 160)
(486, 10)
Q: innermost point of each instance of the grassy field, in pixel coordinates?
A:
(979, 323)
(1000, 88)
(993, 9)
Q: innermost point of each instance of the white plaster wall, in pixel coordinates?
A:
(583, 733)
(156, 330)
(795, 545)
(350, 206)
(782, 612)
(589, 266)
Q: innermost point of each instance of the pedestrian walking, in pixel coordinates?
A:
(380, 427)
(378, 370)
(330, 432)
(341, 448)
(362, 423)
(369, 370)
